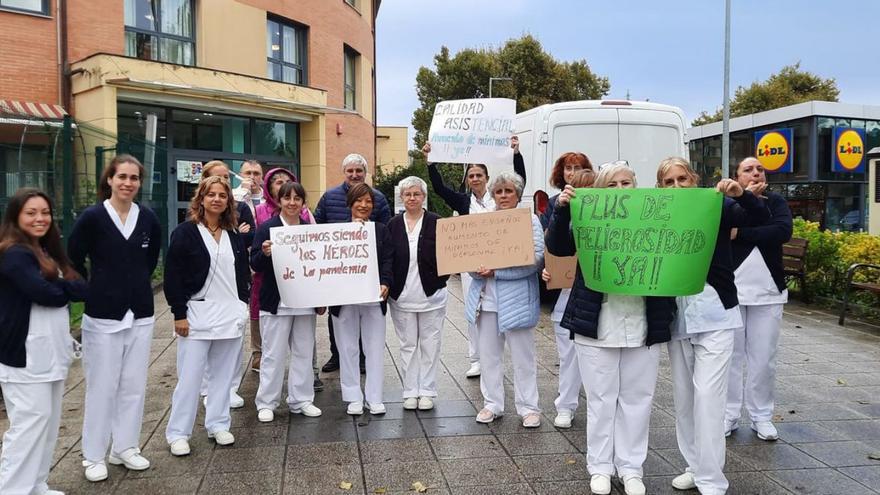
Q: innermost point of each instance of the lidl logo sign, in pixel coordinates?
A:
(773, 149)
(849, 150)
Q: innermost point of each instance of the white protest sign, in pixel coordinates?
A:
(325, 265)
(472, 131)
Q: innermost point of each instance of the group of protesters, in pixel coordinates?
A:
(219, 283)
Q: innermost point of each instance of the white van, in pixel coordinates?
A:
(641, 133)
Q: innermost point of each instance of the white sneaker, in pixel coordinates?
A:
(53, 492)
(684, 481)
(473, 371)
(531, 420)
(179, 447)
(222, 437)
(600, 484)
(633, 485)
(95, 471)
(235, 400)
(410, 403)
(730, 426)
(426, 403)
(377, 408)
(308, 409)
(355, 408)
(765, 430)
(265, 415)
(563, 418)
(131, 459)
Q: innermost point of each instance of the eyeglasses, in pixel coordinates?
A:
(614, 163)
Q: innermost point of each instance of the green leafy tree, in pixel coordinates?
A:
(418, 167)
(789, 86)
(537, 79)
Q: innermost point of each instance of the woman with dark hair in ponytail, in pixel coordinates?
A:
(37, 282)
(121, 240)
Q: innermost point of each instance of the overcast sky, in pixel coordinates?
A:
(668, 51)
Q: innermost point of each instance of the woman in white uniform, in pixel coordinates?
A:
(285, 331)
(121, 239)
(702, 339)
(761, 290)
(36, 349)
(365, 321)
(207, 285)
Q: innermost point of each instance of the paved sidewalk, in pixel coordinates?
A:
(828, 418)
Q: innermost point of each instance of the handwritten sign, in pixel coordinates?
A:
(645, 242)
(472, 131)
(325, 265)
(562, 270)
(499, 239)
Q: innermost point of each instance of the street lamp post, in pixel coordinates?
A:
(491, 79)
(725, 113)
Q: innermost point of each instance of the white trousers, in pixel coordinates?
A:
(419, 335)
(34, 411)
(755, 348)
(115, 367)
(194, 357)
(368, 324)
(525, 369)
(241, 361)
(620, 388)
(473, 333)
(288, 341)
(569, 374)
(700, 367)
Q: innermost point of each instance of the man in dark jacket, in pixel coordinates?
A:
(332, 209)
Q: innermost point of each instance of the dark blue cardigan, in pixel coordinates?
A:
(768, 237)
(461, 201)
(426, 255)
(21, 285)
(120, 267)
(332, 206)
(188, 263)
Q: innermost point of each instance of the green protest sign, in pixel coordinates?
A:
(645, 242)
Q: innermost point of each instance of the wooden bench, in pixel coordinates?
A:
(869, 286)
(794, 255)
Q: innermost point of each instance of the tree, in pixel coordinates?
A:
(418, 167)
(537, 79)
(789, 86)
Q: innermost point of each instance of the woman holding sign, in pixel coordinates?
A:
(365, 321)
(702, 338)
(615, 339)
(284, 329)
(504, 306)
(418, 295)
(207, 285)
(478, 200)
(760, 284)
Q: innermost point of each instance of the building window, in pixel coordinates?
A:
(286, 51)
(160, 30)
(34, 6)
(353, 3)
(350, 84)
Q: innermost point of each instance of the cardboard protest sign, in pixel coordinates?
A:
(472, 131)
(645, 242)
(561, 270)
(499, 239)
(325, 265)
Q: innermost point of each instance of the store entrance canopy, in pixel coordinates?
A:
(30, 110)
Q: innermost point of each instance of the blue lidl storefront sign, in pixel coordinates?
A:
(848, 153)
(774, 150)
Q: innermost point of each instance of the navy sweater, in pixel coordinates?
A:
(768, 237)
(245, 216)
(332, 208)
(426, 255)
(188, 264)
(21, 285)
(120, 268)
(461, 201)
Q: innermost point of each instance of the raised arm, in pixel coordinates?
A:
(775, 231)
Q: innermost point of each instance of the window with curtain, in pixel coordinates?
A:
(35, 6)
(160, 30)
(350, 83)
(286, 51)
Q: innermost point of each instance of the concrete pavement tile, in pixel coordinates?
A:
(323, 480)
(803, 432)
(163, 464)
(662, 438)
(227, 460)
(661, 417)
(818, 482)
(260, 482)
(399, 476)
(464, 447)
(656, 465)
(395, 450)
(866, 475)
(553, 467)
(273, 436)
(449, 409)
(536, 443)
(578, 438)
(837, 454)
(578, 487)
(371, 428)
(512, 423)
(662, 485)
(320, 454)
(444, 427)
(165, 485)
(774, 456)
(505, 489)
(868, 410)
(753, 483)
(493, 471)
(339, 431)
(868, 429)
(816, 412)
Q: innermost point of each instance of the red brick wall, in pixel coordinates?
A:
(95, 26)
(28, 58)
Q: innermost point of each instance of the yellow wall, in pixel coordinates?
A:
(313, 159)
(221, 43)
(873, 206)
(392, 146)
